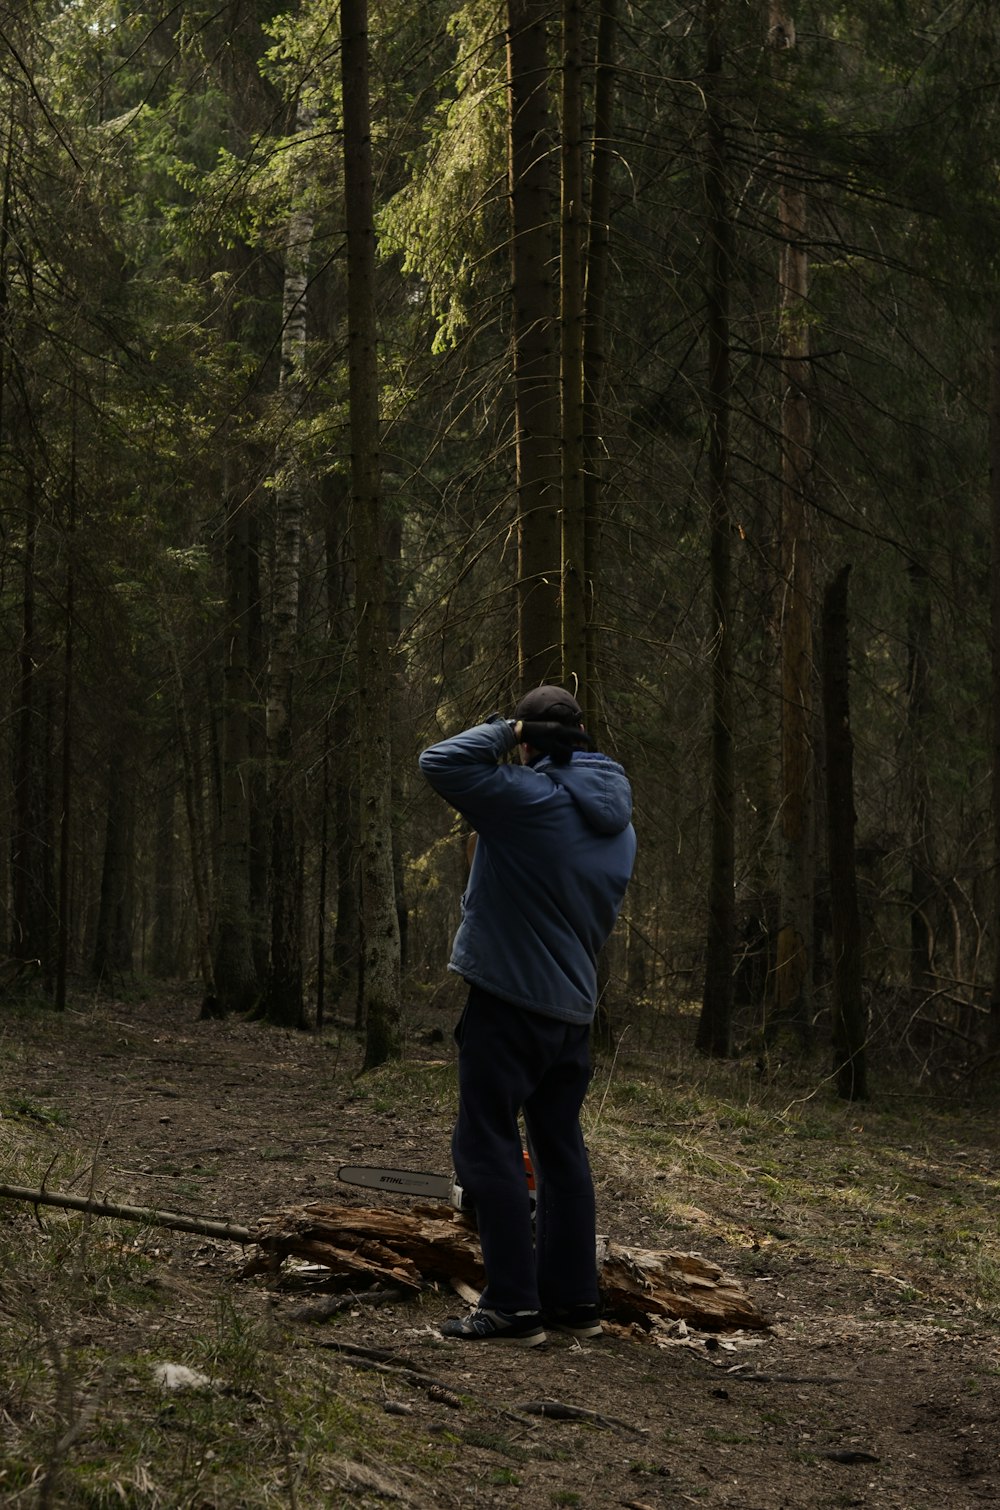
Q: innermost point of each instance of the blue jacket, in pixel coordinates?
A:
(555, 852)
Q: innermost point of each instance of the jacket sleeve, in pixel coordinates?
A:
(464, 770)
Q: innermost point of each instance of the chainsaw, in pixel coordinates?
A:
(442, 1187)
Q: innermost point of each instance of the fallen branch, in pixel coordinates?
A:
(144, 1216)
(379, 1361)
(558, 1410)
(332, 1305)
(755, 1378)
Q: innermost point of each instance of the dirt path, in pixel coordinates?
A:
(857, 1396)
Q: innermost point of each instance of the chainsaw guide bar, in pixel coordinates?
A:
(441, 1187)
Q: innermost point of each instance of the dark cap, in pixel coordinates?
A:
(552, 703)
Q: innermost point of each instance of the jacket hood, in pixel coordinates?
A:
(599, 787)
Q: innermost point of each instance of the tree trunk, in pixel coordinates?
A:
(113, 942)
(994, 452)
(793, 973)
(257, 796)
(715, 1024)
(342, 744)
(284, 1001)
(394, 626)
(196, 828)
(595, 304)
(536, 357)
(849, 1019)
(236, 978)
(381, 924)
(31, 906)
(66, 738)
(163, 947)
(918, 714)
(571, 271)
(323, 878)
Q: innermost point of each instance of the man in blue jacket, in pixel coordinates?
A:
(553, 857)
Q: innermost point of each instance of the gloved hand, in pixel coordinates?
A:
(554, 739)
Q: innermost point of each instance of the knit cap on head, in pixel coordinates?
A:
(554, 704)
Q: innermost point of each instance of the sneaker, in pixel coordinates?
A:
(578, 1321)
(521, 1327)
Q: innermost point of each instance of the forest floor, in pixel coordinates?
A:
(868, 1237)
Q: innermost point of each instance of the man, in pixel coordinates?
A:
(553, 857)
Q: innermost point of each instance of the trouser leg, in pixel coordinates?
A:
(486, 1148)
(566, 1260)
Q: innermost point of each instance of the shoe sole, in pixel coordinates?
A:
(528, 1339)
(577, 1331)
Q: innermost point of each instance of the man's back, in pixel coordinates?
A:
(555, 852)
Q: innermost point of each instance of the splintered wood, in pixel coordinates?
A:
(431, 1243)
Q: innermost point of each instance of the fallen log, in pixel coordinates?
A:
(375, 1246)
(431, 1243)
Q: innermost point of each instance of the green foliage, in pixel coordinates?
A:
(446, 221)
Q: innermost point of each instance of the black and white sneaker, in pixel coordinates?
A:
(524, 1328)
(577, 1321)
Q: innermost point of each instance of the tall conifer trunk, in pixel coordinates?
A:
(796, 812)
(594, 317)
(192, 788)
(235, 972)
(536, 356)
(67, 731)
(345, 968)
(918, 714)
(115, 921)
(380, 925)
(575, 672)
(994, 454)
(29, 941)
(284, 1001)
(714, 1027)
(163, 952)
(849, 1018)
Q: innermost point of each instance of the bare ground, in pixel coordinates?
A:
(873, 1386)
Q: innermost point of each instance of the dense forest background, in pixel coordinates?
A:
(362, 365)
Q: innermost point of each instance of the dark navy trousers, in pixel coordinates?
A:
(512, 1060)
